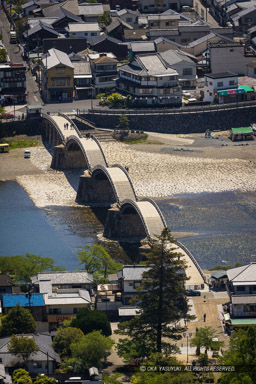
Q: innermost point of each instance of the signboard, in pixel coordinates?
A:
(60, 318)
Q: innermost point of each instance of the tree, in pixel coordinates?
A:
(97, 261)
(241, 353)
(123, 123)
(203, 338)
(64, 338)
(115, 99)
(21, 268)
(18, 320)
(3, 55)
(162, 299)
(92, 350)
(22, 346)
(91, 320)
(44, 380)
(18, 373)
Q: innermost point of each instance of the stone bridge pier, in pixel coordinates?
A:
(64, 158)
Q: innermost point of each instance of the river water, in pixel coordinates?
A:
(225, 224)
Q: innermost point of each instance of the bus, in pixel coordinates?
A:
(4, 148)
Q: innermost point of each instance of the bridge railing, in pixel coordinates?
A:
(100, 148)
(192, 258)
(157, 208)
(180, 110)
(128, 177)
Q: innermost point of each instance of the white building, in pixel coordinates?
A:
(84, 30)
(216, 82)
(150, 80)
(242, 290)
(104, 71)
(130, 278)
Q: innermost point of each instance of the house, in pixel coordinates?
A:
(150, 80)
(28, 7)
(242, 291)
(184, 64)
(104, 70)
(56, 7)
(64, 294)
(148, 6)
(128, 16)
(45, 361)
(135, 34)
(222, 87)
(197, 47)
(117, 27)
(33, 302)
(232, 57)
(141, 47)
(162, 44)
(64, 17)
(82, 80)
(65, 45)
(7, 285)
(130, 278)
(105, 43)
(219, 279)
(40, 31)
(13, 82)
(251, 68)
(90, 12)
(244, 19)
(57, 76)
(163, 21)
(85, 30)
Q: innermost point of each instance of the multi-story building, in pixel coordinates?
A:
(242, 291)
(13, 82)
(104, 70)
(221, 87)
(149, 80)
(130, 278)
(84, 30)
(57, 76)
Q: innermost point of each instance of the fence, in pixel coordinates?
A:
(172, 111)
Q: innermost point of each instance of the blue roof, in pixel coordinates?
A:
(13, 300)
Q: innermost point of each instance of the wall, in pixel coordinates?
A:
(229, 58)
(20, 127)
(182, 123)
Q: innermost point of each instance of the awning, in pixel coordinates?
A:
(242, 131)
(234, 91)
(243, 322)
(246, 88)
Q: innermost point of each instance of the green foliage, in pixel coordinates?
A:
(123, 123)
(115, 99)
(224, 268)
(92, 1)
(101, 96)
(113, 379)
(64, 338)
(22, 346)
(241, 352)
(203, 338)
(92, 320)
(72, 365)
(104, 19)
(21, 268)
(18, 320)
(162, 298)
(24, 380)
(22, 143)
(3, 55)
(203, 359)
(97, 261)
(18, 373)
(44, 380)
(92, 349)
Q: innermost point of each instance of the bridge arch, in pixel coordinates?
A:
(136, 215)
(117, 182)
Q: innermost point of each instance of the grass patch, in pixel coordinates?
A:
(21, 143)
(143, 141)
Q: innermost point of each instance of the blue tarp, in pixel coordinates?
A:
(36, 300)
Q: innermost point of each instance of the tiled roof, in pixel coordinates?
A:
(83, 27)
(91, 9)
(5, 280)
(82, 68)
(133, 272)
(55, 57)
(65, 277)
(244, 274)
(10, 300)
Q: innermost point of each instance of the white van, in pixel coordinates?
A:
(27, 154)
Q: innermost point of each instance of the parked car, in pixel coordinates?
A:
(27, 154)
(193, 292)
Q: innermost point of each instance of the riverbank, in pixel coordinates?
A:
(182, 169)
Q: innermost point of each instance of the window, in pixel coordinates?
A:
(231, 50)
(130, 284)
(60, 69)
(68, 82)
(210, 82)
(145, 7)
(37, 365)
(254, 71)
(75, 310)
(94, 34)
(240, 288)
(53, 82)
(137, 284)
(187, 71)
(54, 311)
(129, 19)
(85, 34)
(220, 84)
(232, 82)
(60, 82)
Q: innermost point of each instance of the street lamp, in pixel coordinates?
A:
(187, 336)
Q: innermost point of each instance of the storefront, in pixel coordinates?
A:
(224, 96)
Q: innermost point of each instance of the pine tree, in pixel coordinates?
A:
(161, 298)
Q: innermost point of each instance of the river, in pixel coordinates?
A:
(225, 223)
